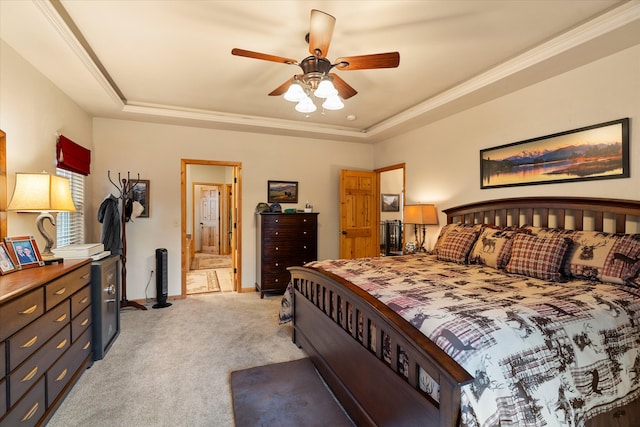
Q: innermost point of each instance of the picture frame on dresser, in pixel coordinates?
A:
(7, 263)
(24, 250)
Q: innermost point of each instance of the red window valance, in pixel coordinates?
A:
(73, 157)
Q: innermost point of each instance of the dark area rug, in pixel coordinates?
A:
(284, 394)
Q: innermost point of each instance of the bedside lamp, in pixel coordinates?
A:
(420, 216)
(44, 193)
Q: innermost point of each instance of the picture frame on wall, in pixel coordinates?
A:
(24, 250)
(594, 152)
(390, 202)
(282, 191)
(7, 263)
(141, 194)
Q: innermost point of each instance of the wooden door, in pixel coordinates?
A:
(210, 218)
(358, 214)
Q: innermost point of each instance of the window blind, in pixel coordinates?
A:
(70, 225)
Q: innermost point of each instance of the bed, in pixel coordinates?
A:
(495, 338)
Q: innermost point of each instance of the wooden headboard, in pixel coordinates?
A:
(576, 213)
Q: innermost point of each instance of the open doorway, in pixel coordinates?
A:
(210, 228)
(391, 189)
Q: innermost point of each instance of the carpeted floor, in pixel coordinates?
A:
(287, 394)
(171, 367)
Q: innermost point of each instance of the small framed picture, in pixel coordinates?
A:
(7, 264)
(25, 251)
(282, 192)
(140, 193)
(390, 202)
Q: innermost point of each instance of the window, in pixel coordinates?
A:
(70, 225)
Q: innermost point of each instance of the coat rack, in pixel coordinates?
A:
(125, 187)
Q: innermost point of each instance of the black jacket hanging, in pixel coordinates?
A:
(109, 217)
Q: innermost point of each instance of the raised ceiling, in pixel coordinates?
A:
(170, 61)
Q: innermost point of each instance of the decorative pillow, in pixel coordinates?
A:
(622, 264)
(449, 227)
(537, 257)
(493, 247)
(588, 254)
(456, 244)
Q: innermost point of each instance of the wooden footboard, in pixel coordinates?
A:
(342, 328)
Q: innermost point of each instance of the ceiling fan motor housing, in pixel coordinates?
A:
(313, 69)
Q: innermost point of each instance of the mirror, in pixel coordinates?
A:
(391, 182)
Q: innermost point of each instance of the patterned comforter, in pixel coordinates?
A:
(542, 353)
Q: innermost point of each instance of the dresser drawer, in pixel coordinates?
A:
(275, 281)
(22, 378)
(64, 287)
(80, 300)
(20, 312)
(80, 324)
(63, 370)
(3, 398)
(3, 360)
(28, 340)
(31, 408)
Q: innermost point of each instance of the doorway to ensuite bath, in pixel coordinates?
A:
(210, 226)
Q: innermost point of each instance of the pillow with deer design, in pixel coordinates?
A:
(612, 258)
(493, 247)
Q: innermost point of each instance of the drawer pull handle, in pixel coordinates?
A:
(30, 375)
(62, 344)
(62, 375)
(29, 343)
(84, 322)
(30, 310)
(60, 291)
(84, 300)
(30, 413)
(86, 276)
(86, 346)
(61, 318)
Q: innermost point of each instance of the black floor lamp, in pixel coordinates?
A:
(420, 216)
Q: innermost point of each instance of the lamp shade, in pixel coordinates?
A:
(420, 214)
(37, 192)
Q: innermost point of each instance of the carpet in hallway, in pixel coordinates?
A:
(206, 261)
(199, 281)
(284, 394)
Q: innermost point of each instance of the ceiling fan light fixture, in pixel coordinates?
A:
(306, 106)
(295, 93)
(325, 88)
(333, 103)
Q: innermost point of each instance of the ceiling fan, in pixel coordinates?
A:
(316, 68)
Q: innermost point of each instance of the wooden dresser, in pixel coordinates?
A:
(283, 240)
(45, 339)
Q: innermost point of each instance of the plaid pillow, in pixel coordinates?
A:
(450, 227)
(456, 244)
(537, 257)
(622, 265)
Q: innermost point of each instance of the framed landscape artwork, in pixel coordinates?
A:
(595, 152)
(390, 202)
(282, 192)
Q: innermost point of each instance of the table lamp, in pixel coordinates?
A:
(420, 216)
(44, 193)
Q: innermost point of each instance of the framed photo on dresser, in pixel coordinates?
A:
(24, 251)
(7, 264)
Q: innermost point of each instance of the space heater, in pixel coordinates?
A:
(162, 285)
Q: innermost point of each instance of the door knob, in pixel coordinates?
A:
(344, 232)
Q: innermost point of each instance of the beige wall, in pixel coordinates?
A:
(32, 110)
(155, 151)
(443, 160)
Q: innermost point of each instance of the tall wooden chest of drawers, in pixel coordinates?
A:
(45, 339)
(283, 240)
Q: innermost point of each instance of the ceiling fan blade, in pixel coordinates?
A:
(344, 90)
(320, 32)
(263, 56)
(284, 86)
(368, 62)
